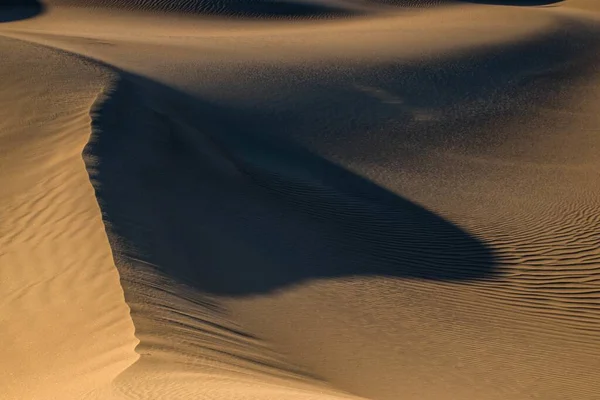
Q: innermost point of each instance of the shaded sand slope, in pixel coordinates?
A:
(65, 327)
(336, 225)
(190, 344)
(13, 10)
(282, 8)
(408, 212)
(230, 8)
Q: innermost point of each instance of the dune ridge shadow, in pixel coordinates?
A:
(255, 9)
(14, 10)
(227, 200)
(232, 214)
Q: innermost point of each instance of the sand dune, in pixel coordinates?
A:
(389, 200)
(65, 326)
(231, 8)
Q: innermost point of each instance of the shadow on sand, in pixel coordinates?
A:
(223, 198)
(230, 213)
(14, 10)
(252, 9)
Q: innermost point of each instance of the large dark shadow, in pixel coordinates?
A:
(266, 9)
(220, 198)
(231, 213)
(14, 10)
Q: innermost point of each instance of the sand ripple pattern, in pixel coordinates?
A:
(296, 216)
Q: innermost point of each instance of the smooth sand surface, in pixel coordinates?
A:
(302, 199)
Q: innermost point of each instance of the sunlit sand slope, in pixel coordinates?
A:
(65, 327)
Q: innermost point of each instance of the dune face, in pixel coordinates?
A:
(335, 226)
(395, 201)
(279, 8)
(231, 8)
(65, 326)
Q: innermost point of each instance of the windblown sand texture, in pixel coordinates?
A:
(277, 200)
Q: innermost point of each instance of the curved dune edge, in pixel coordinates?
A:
(188, 344)
(531, 330)
(541, 325)
(66, 329)
(87, 349)
(260, 9)
(288, 9)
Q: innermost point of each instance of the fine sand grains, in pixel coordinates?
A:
(64, 325)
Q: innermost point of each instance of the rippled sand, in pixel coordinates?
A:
(344, 199)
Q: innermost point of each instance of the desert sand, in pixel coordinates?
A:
(300, 199)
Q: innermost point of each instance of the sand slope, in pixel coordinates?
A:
(386, 205)
(65, 325)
